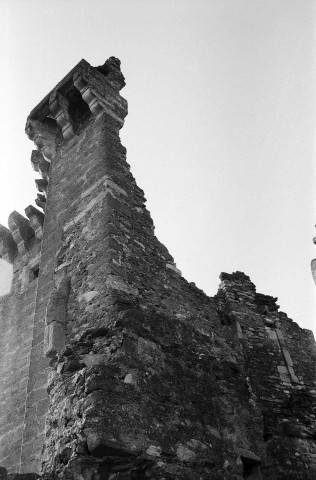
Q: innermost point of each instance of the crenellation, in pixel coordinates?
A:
(36, 158)
(39, 164)
(8, 246)
(97, 89)
(22, 232)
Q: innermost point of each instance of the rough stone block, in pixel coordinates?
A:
(287, 357)
(54, 339)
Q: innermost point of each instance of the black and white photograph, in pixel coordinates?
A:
(157, 240)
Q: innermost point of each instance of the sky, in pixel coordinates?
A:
(220, 133)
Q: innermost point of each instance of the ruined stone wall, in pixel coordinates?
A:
(21, 246)
(15, 346)
(280, 364)
(128, 389)
(132, 372)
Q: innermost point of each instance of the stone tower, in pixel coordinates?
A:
(113, 366)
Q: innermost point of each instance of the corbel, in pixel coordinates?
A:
(36, 219)
(59, 107)
(41, 185)
(87, 94)
(39, 164)
(41, 201)
(43, 134)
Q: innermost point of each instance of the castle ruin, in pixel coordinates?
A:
(112, 365)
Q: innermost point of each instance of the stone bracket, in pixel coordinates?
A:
(41, 201)
(59, 106)
(41, 185)
(100, 92)
(43, 134)
(36, 220)
(88, 95)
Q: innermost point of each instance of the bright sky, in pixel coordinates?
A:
(220, 133)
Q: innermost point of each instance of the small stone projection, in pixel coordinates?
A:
(113, 366)
(313, 264)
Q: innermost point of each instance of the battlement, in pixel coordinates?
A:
(20, 245)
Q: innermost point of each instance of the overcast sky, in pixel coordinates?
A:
(220, 132)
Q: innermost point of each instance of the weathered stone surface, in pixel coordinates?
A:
(54, 340)
(148, 378)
